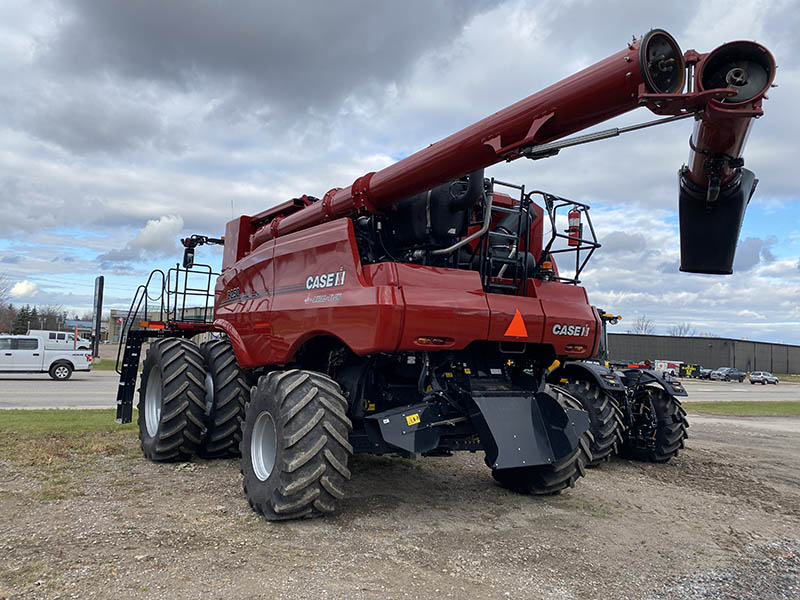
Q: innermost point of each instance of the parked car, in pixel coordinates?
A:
(704, 373)
(763, 377)
(27, 354)
(728, 374)
(61, 340)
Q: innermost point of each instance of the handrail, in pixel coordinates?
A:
(169, 291)
(142, 294)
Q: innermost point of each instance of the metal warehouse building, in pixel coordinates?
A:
(711, 353)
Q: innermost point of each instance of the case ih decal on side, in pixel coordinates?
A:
(455, 310)
(326, 280)
(573, 330)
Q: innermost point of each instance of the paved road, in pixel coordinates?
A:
(99, 389)
(84, 390)
(727, 391)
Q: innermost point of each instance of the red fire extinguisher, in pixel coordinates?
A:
(574, 229)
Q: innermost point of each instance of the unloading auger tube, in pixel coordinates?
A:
(729, 85)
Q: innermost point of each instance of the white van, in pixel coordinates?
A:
(60, 340)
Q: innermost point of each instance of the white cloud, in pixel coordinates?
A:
(23, 289)
(157, 238)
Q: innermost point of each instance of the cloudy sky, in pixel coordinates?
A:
(126, 125)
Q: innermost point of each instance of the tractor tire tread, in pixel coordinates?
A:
(670, 437)
(180, 428)
(223, 416)
(604, 419)
(310, 470)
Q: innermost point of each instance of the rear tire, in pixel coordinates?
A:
(61, 371)
(172, 400)
(543, 480)
(605, 419)
(295, 446)
(226, 396)
(669, 432)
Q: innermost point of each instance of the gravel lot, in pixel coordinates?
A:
(720, 521)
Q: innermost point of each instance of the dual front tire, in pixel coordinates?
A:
(191, 400)
(172, 400)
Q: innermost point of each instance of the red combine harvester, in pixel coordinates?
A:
(420, 310)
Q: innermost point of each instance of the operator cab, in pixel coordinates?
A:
(483, 225)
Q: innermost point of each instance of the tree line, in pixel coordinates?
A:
(18, 320)
(645, 325)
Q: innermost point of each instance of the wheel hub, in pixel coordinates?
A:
(152, 402)
(209, 385)
(263, 446)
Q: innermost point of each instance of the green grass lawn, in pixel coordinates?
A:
(40, 437)
(104, 364)
(745, 409)
(792, 377)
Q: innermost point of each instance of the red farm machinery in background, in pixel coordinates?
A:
(421, 309)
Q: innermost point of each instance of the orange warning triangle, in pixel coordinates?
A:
(517, 326)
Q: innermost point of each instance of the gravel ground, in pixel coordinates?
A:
(765, 572)
(722, 520)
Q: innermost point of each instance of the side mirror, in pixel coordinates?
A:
(188, 258)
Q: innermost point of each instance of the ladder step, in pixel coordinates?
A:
(504, 286)
(504, 261)
(500, 234)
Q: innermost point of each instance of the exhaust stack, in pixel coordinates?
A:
(715, 188)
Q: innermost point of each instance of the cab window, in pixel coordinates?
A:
(52, 335)
(5, 343)
(27, 344)
(62, 336)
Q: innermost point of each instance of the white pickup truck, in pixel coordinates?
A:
(26, 354)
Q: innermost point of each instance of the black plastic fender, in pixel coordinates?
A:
(639, 377)
(604, 377)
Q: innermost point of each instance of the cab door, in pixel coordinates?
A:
(27, 354)
(6, 356)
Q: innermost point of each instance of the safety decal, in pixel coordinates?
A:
(413, 419)
(517, 326)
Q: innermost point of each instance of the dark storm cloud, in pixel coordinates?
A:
(90, 123)
(285, 56)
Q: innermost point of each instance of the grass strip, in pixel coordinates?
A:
(61, 421)
(745, 409)
(42, 437)
(104, 364)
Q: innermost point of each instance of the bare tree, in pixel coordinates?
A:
(642, 325)
(7, 316)
(5, 288)
(682, 330)
(52, 317)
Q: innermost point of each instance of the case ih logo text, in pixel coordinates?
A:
(574, 330)
(326, 280)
